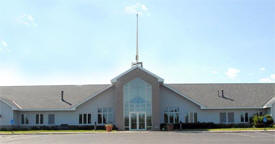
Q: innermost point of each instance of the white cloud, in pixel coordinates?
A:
(136, 8)
(27, 20)
(269, 79)
(232, 73)
(262, 69)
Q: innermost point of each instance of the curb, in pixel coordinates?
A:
(137, 132)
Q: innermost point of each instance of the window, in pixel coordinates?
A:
(193, 117)
(137, 97)
(171, 115)
(85, 118)
(22, 119)
(230, 116)
(89, 118)
(104, 115)
(80, 119)
(39, 119)
(186, 119)
(51, 119)
(244, 117)
(222, 117)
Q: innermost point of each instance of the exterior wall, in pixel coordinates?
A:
(6, 113)
(105, 99)
(272, 111)
(119, 97)
(170, 98)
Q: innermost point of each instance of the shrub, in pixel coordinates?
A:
(258, 121)
(208, 125)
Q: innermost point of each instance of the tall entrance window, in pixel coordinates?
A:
(137, 105)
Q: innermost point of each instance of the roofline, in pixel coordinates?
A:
(228, 108)
(12, 106)
(212, 83)
(92, 96)
(269, 103)
(44, 110)
(133, 68)
(190, 99)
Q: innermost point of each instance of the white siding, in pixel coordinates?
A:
(105, 99)
(6, 114)
(170, 98)
(273, 112)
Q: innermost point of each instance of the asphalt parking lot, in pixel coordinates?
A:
(144, 138)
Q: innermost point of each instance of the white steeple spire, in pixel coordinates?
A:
(137, 63)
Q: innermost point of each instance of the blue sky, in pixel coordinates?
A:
(92, 41)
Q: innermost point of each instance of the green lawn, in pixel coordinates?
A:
(231, 129)
(103, 131)
(51, 131)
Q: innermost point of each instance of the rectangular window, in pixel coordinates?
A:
(171, 115)
(165, 117)
(84, 118)
(242, 118)
(195, 117)
(22, 119)
(37, 119)
(191, 117)
(171, 118)
(51, 119)
(222, 117)
(176, 117)
(89, 118)
(99, 118)
(104, 115)
(80, 119)
(186, 119)
(230, 116)
(41, 119)
(26, 120)
(246, 117)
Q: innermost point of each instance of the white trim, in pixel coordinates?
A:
(269, 103)
(16, 104)
(45, 110)
(229, 108)
(92, 96)
(12, 107)
(114, 80)
(201, 106)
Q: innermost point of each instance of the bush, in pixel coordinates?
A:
(60, 127)
(208, 125)
(258, 121)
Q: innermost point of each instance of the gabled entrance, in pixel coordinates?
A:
(137, 99)
(137, 121)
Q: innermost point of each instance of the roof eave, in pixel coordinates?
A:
(114, 80)
(190, 99)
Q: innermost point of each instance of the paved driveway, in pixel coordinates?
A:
(143, 138)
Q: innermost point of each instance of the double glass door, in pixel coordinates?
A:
(137, 121)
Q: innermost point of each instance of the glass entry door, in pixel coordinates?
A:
(137, 121)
